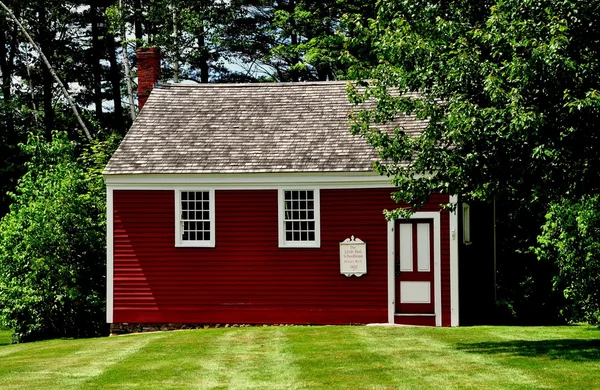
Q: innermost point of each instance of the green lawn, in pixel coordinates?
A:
(312, 357)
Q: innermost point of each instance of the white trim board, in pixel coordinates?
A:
(109, 255)
(454, 302)
(251, 181)
(437, 269)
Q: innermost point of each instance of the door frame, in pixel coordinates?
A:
(437, 271)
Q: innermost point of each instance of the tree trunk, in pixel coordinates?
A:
(203, 55)
(6, 68)
(96, 56)
(138, 18)
(47, 80)
(175, 38)
(115, 81)
(294, 74)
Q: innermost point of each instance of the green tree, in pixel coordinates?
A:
(571, 238)
(294, 40)
(82, 53)
(52, 243)
(510, 90)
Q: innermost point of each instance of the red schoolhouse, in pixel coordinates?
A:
(253, 204)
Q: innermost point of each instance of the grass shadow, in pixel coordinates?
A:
(566, 349)
(5, 337)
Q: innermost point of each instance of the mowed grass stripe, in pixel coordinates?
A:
(556, 357)
(336, 357)
(208, 359)
(64, 364)
(425, 360)
(240, 359)
(331, 357)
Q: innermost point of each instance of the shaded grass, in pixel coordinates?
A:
(312, 357)
(5, 337)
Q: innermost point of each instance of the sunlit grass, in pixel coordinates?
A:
(312, 357)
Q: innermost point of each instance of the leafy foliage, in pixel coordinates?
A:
(52, 243)
(510, 90)
(571, 239)
(295, 40)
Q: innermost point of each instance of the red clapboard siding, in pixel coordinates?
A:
(246, 278)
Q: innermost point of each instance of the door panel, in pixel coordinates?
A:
(414, 267)
(406, 251)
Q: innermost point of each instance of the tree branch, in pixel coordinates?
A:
(52, 72)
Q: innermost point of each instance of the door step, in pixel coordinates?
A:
(424, 319)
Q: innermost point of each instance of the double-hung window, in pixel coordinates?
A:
(299, 219)
(195, 218)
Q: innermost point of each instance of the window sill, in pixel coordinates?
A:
(197, 244)
(298, 245)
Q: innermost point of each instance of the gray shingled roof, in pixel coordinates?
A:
(245, 128)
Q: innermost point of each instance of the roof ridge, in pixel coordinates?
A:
(252, 85)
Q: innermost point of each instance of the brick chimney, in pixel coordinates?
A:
(148, 63)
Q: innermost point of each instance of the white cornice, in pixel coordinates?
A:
(249, 181)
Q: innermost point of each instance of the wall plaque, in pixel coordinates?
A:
(353, 257)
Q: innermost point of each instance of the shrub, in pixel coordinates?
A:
(571, 239)
(52, 244)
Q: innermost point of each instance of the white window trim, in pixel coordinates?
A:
(283, 243)
(178, 222)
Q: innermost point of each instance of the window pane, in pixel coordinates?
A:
(299, 215)
(195, 215)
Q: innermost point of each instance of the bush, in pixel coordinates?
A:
(52, 244)
(571, 239)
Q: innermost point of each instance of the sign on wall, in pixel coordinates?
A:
(353, 257)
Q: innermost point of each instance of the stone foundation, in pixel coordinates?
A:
(126, 328)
